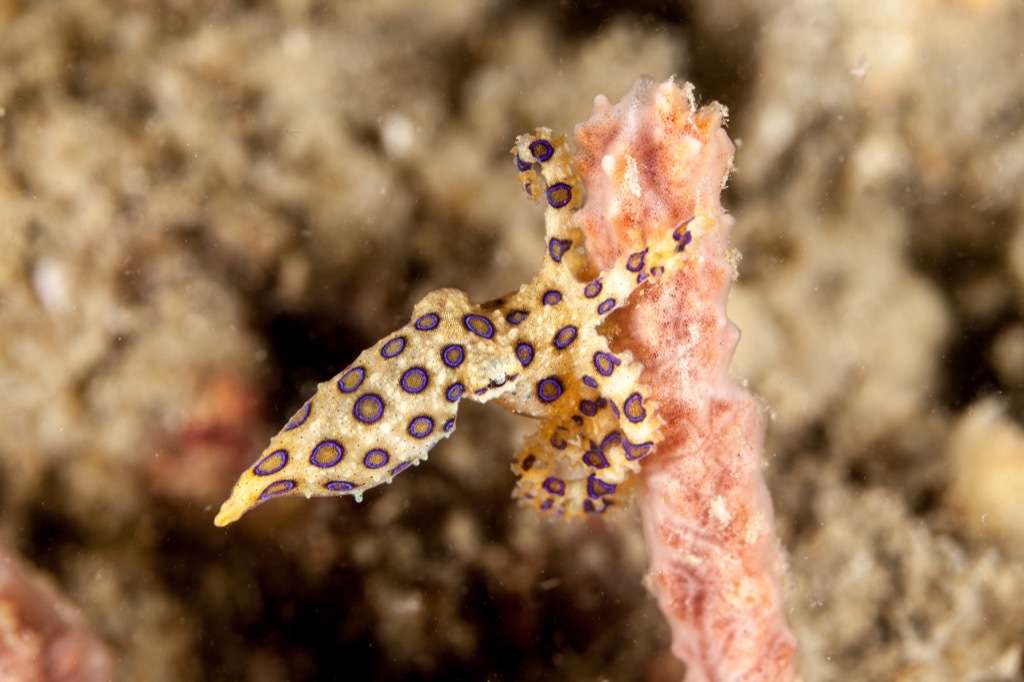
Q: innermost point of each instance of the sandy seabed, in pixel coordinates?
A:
(208, 207)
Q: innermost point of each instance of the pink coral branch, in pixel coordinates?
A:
(651, 163)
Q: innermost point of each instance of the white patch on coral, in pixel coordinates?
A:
(632, 177)
(719, 511)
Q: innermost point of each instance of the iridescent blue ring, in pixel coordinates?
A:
(427, 322)
(393, 348)
(376, 458)
(421, 427)
(549, 389)
(597, 488)
(331, 459)
(524, 352)
(516, 316)
(479, 325)
(339, 486)
(415, 380)
(557, 248)
(369, 401)
(271, 464)
(351, 380)
(541, 150)
(453, 355)
(554, 486)
(552, 297)
(277, 488)
(454, 392)
(634, 409)
(559, 194)
(565, 336)
(299, 418)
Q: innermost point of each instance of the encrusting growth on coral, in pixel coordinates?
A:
(656, 255)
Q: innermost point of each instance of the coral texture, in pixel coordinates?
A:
(651, 163)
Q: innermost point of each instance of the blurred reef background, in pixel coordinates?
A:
(208, 207)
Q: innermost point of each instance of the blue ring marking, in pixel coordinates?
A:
(612, 438)
(679, 234)
(565, 336)
(449, 425)
(547, 505)
(277, 488)
(453, 355)
(615, 410)
(421, 427)
(546, 150)
(339, 452)
(427, 322)
(635, 452)
(554, 486)
(454, 392)
(635, 262)
(551, 297)
(606, 306)
(559, 194)
(524, 352)
(299, 418)
(557, 248)
(595, 459)
(472, 323)
(549, 389)
(605, 363)
(400, 468)
(521, 165)
(557, 443)
(588, 408)
(393, 348)
(339, 486)
(275, 461)
(411, 376)
(597, 488)
(593, 288)
(516, 316)
(356, 375)
(363, 404)
(589, 381)
(634, 409)
(376, 458)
